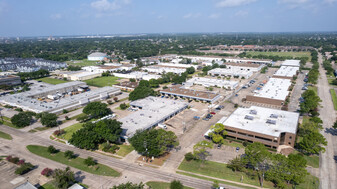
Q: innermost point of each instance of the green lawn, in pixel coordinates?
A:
(334, 98)
(5, 136)
(233, 144)
(219, 170)
(124, 150)
(7, 121)
(282, 54)
(161, 185)
(71, 130)
(77, 163)
(312, 160)
(82, 63)
(102, 81)
(52, 80)
(210, 179)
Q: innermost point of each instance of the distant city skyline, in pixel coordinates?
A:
(97, 17)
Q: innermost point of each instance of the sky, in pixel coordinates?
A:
(91, 17)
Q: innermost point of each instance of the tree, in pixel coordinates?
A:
(258, 156)
(123, 106)
(62, 179)
(69, 154)
(154, 142)
(176, 184)
(49, 119)
(96, 109)
(199, 150)
(153, 83)
(190, 70)
(141, 92)
(313, 143)
(189, 156)
(52, 150)
(335, 125)
(21, 119)
(218, 133)
(116, 99)
(237, 164)
(93, 134)
(129, 185)
(90, 161)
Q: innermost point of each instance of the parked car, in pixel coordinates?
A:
(219, 146)
(196, 117)
(305, 88)
(213, 113)
(221, 106)
(206, 119)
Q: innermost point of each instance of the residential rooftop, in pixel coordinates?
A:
(266, 121)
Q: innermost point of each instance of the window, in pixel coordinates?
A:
(289, 143)
(290, 137)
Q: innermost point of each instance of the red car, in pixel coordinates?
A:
(213, 113)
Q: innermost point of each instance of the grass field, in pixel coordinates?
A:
(5, 136)
(71, 130)
(77, 163)
(102, 81)
(334, 98)
(282, 54)
(82, 63)
(52, 80)
(124, 150)
(220, 170)
(313, 88)
(161, 185)
(7, 121)
(49, 185)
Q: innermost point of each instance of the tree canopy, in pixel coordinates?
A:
(49, 119)
(154, 142)
(96, 109)
(21, 119)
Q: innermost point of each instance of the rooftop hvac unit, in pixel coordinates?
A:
(249, 117)
(271, 121)
(253, 112)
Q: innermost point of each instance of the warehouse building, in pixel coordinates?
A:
(137, 75)
(126, 85)
(294, 63)
(160, 69)
(233, 72)
(268, 126)
(209, 82)
(55, 98)
(244, 66)
(286, 72)
(10, 80)
(274, 92)
(179, 91)
(151, 112)
(97, 56)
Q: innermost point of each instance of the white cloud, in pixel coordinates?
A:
(56, 16)
(106, 5)
(233, 3)
(192, 15)
(241, 13)
(214, 16)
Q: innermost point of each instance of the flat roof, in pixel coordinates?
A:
(154, 110)
(212, 82)
(97, 54)
(287, 71)
(295, 63)
(83, 74)
(250, 65)
(275, 88)
(232, 71)
(281, 121)
(178, 90)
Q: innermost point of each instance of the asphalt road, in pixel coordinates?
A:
(31, 138)
(328, 115)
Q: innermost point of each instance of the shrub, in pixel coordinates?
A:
(69, 154)
(82, 118)
(47, 172)
(116, 99)
(176, 184)
(123, 106)
(65, 111)
(189, 156)
(8, 158)
(90, 161)
(109, 102)
(52, 149)
(24, 168)
(18, 109)
(67, 118)
(21, 162)
(59, 132)
(14, 160)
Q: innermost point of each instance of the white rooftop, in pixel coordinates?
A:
(275, 88)
(295, 63)
(154, 110)
(97, 54)
(212, 82)
(279, 121)
(287, 71)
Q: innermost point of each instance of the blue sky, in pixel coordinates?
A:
(77, 17)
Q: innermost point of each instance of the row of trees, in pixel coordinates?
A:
(24, 119)
(33, 75)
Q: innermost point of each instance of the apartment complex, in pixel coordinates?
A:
(10, 80)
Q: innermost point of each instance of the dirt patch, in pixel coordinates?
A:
(154, 161)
